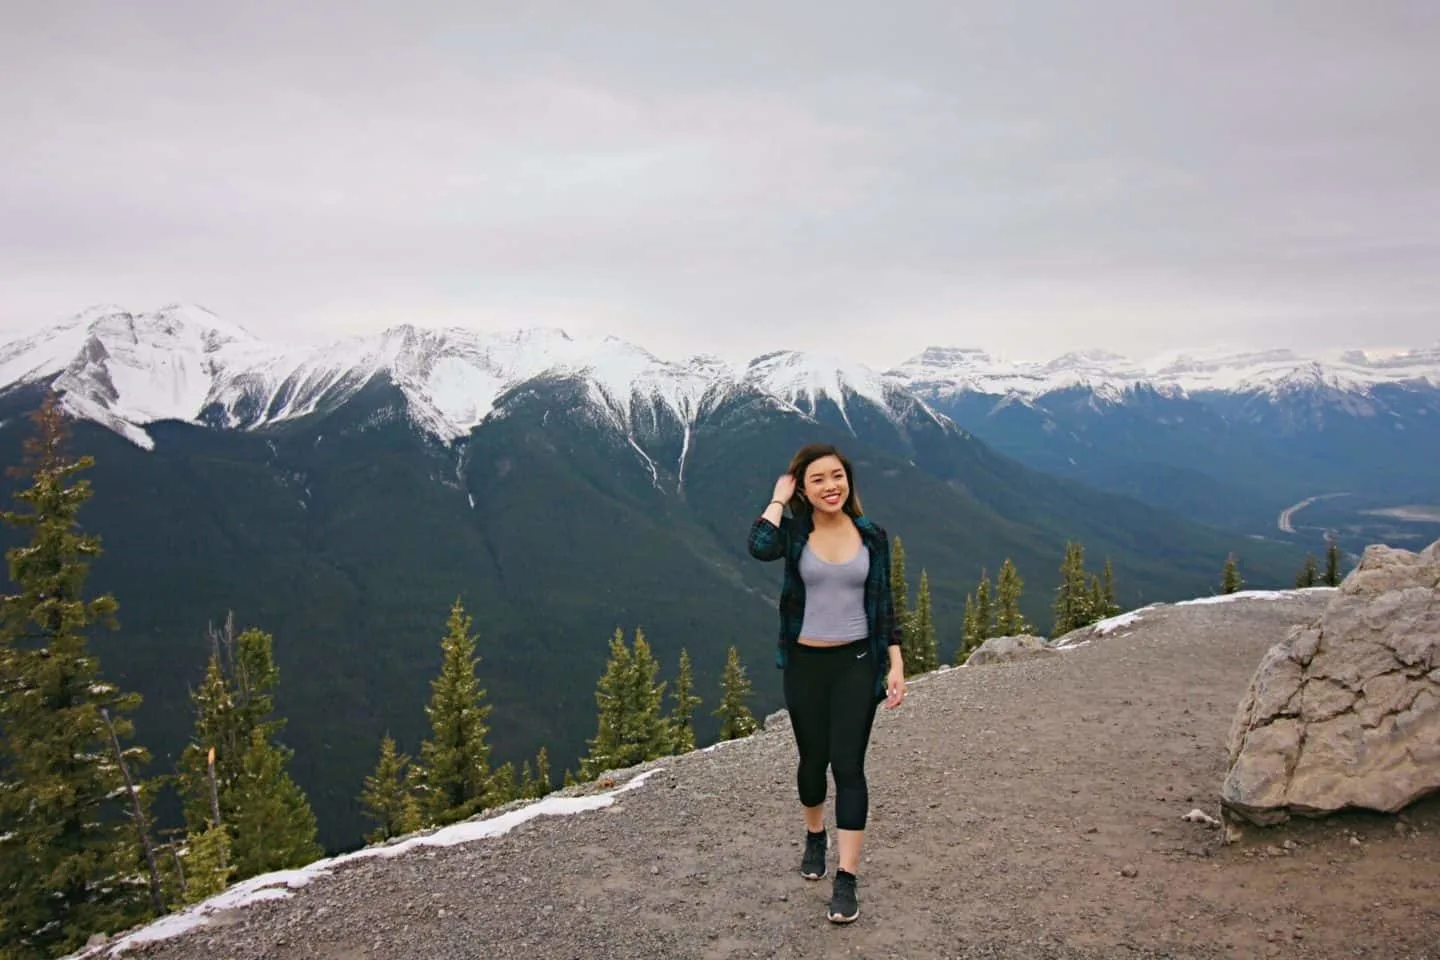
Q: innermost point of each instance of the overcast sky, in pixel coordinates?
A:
(864, 179)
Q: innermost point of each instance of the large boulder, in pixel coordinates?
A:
(1345, 712)
(1005, 649)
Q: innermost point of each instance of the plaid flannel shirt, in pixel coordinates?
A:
(787, 542)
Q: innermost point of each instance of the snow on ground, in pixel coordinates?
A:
(1081, 637)
(277, 885)
(1254, 595)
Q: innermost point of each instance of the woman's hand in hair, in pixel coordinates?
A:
(784, 488)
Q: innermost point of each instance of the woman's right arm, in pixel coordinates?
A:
(767, 539)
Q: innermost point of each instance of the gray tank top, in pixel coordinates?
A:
(834, 597)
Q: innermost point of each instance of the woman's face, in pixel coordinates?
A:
(825, 485)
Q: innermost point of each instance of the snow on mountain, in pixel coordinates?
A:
(800, 380)
(126, 370)
(123, 370)
(946, 371)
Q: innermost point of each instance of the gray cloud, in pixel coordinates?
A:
(862, 179)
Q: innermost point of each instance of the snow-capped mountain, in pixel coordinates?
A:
(946, 371)
(126, 370)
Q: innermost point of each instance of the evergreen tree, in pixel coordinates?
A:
(652, 731)
(1096, 602)
(968, 629)
(1074, 598)
(1109, 607)
(542, 774)
(535, 781)
(978, 625)
(899, 588)
(927, 655)
(209, 865)
(607, 749)
(682, 710)
(735, 718)
(387, 798)
(984, 609)
(70, 863)
(267, 815)
(1332, 564)
(503, 786)
(630, 726)
(272, 825)
(1309, 575)
(1009, 621)
(454, 767)
(1230, 581)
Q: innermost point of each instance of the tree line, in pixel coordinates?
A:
(993, 610)
(79, 849)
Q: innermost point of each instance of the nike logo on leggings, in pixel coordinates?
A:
(861, 655)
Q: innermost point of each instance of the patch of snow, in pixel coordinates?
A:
(1254, 595)
(276, 885)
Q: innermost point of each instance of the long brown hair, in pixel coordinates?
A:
(807, 455)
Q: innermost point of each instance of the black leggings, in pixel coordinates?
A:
(829, 692)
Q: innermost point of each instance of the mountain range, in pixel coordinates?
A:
(343, 496)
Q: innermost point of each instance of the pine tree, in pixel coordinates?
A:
(503, 787)
(1095, 604)
(209, 864)
(927, 655)
(70, 860)
(735, 718)
(682, 710)
(978, 626)
(1074, 598)
(984, 609)
(1230, 581)
(899, 588)
(535, 781)
(969, 627)
(454, 767)
(652, 732)
(1309, 575)
(542, 773)
(387, 798)
(267, 815)
(607, 747)
(271, 823)
(1109, 607)
(1332, 564)
(1009, 621)
(630, 725)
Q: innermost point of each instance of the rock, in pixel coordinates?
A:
(1007, 649)
(96, 940)
(778, 720)
(1129, 870)
(1345, 712)
(1200, 816)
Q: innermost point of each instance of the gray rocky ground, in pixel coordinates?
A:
(1031, 809)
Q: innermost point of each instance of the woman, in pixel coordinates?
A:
(839, 647)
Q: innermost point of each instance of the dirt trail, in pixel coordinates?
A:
(1006, 802)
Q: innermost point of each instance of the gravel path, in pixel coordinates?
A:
(1019, 810)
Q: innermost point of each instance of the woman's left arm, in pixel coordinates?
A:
(895, 677)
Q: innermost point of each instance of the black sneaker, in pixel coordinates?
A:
(812, 865)
(844, 906)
